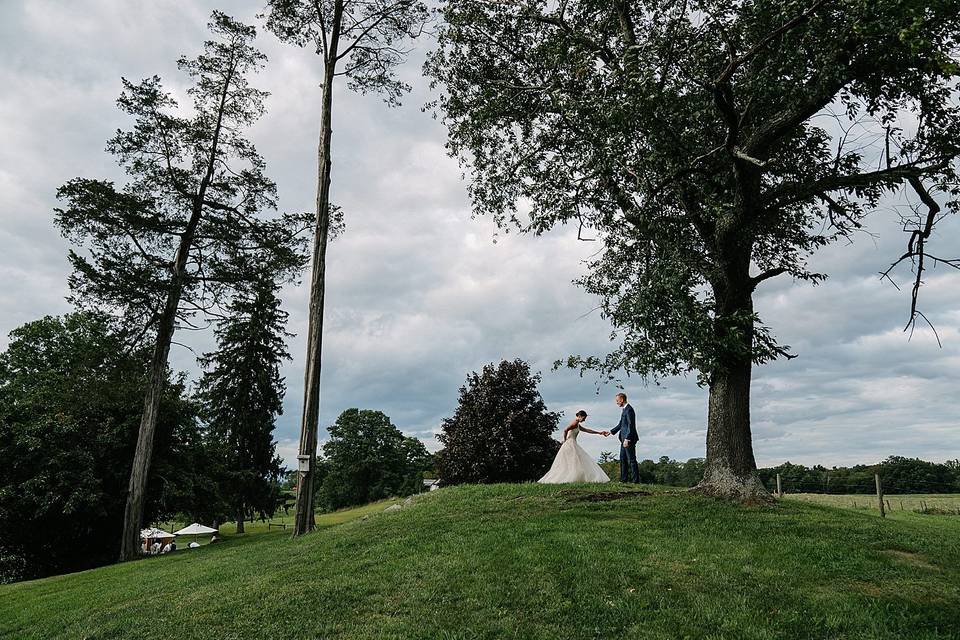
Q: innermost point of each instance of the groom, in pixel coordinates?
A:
(627, 429)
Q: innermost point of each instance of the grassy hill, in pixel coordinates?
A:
(530, 561)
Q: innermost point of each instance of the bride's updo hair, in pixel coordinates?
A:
(581, 414)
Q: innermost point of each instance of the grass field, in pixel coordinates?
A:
(228, 530)
(531, 561)
(898, 503)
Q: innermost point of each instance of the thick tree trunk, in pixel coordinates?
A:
(730, 466)
(304, 520)
(240, 519)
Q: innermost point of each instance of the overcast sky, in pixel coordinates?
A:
(419, 294)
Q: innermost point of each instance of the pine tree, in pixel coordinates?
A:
(242, 394)
(161, 251)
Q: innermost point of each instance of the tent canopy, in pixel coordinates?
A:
(194, 530)
(156, 533)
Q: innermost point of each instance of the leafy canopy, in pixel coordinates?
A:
(71, 394)
(367, 458)
(362, 37)
(501, 430)
(710, 145)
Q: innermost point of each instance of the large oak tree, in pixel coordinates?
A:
(712, 146)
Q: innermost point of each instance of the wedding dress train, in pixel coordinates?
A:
(573, 464)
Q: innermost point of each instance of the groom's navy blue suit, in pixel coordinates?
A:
(627, 430)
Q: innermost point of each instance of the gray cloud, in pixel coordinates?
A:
(418, 292)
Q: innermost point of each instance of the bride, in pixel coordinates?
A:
(572, 463)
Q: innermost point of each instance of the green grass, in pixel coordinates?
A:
(530, 561)
(228, 530)
(898, 502)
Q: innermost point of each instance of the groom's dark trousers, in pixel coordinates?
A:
(628, 460)
(627, 430)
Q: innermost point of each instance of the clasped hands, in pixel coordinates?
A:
(626, 443)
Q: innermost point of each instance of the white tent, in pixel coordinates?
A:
(156, 533)
(194, 530)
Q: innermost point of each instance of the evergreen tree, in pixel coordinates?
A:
(242, 393)
(162, 248)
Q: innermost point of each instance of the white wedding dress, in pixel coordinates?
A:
(573, 464)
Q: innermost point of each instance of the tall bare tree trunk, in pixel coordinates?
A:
(240, 518)
(303, 515)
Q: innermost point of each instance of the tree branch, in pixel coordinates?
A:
(737, 61)
(792, 193)
(766, 275)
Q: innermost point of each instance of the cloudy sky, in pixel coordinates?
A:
(419, 294)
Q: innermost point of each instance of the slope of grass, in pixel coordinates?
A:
(228, 530)
(530, 561)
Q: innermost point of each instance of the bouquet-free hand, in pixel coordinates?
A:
(604, 433)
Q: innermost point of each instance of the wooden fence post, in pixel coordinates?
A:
(779, 487)
(876, 477)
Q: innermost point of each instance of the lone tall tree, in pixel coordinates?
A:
(165, 247)
(707, 144)
(360, 40)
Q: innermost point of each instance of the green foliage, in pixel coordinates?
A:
(685, 137)
(501, 430)
(367, 458)
(900, 475)
(71, 395)
(664, 471)
(195, 181)
(534, 562)
(369, 34)
(242, 393)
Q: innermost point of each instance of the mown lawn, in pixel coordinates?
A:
(228, 530)
(530, 561)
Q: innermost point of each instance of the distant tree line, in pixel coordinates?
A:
(663, 471)
(898, 474)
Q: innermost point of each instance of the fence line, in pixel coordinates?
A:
(882, 501)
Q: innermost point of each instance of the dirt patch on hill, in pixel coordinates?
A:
(602, 496)
(908, 557)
